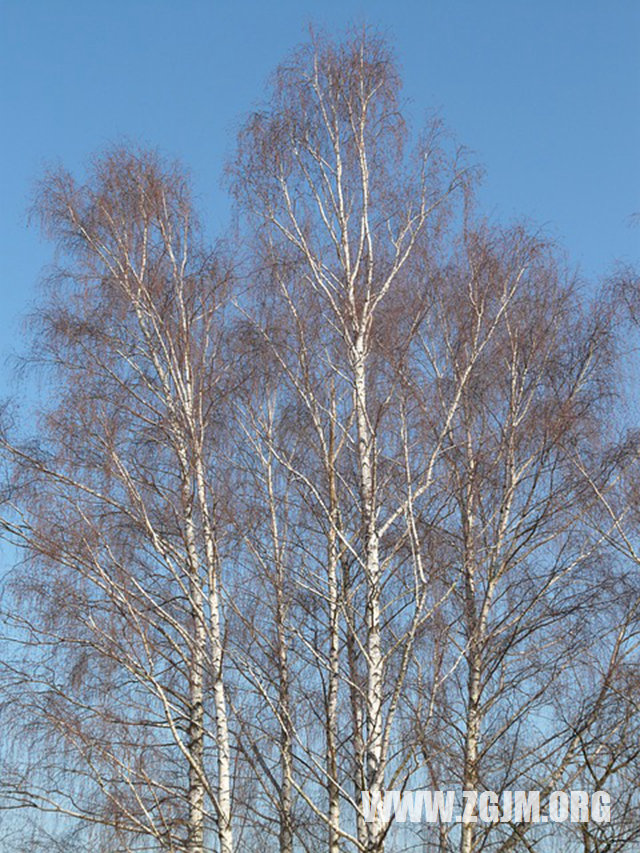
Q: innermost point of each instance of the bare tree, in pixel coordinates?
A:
(529, 565)
(116, 510)
(353, 526)
(340, 213)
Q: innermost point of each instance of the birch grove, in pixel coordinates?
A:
(345, 503)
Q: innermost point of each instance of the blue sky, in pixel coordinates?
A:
(547, 95)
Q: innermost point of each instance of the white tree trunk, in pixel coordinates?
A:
(374, 770)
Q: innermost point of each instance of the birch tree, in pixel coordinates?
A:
(528, 558)
(334, 512)
(115, 507)
(340, 210)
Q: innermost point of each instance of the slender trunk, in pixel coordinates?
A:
(286, 739)
(195, 840)
(374, 742)
(284, 700)
(196, 790)
(475, 633)
(355, 697)
(334, 662)
(472, 737)
(225, 835)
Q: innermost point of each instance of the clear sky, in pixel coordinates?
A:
(545, 92)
